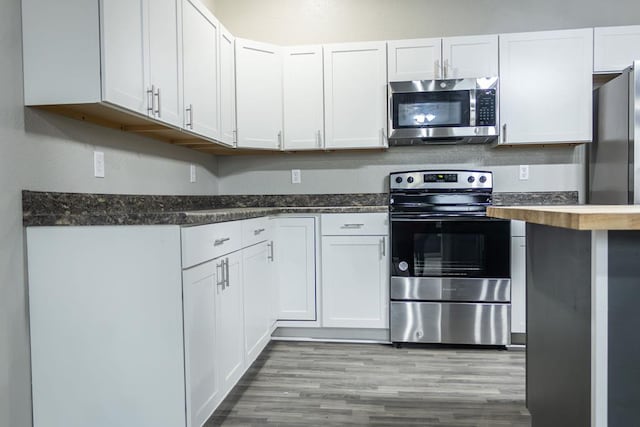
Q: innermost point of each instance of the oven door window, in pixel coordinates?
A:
(431, 109)
(455, 248)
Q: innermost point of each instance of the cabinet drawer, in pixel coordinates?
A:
(255, 230)
(355, 224)
(205, 242)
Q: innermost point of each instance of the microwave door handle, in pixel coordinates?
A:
(472, 108)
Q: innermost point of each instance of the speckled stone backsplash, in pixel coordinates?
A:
(537, 198)
(43, 208)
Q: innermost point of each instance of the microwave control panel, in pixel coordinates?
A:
(486, 107)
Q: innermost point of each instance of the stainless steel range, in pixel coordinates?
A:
(450, 264)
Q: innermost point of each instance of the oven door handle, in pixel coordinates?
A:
(444, 218)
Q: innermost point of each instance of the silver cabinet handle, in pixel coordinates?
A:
(319, 139)
(235, 136)
(504, 132)
(351, 226)
(150, 100)
(219, 242)
(220, 276)
(279, 139)
(445, 68)
(189, 122)
(226, 273)
(436, 68)
(157, 106)
(270, 256)
(383, 136)
(258, 231)
(383, 247)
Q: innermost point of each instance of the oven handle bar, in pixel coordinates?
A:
(452, 218)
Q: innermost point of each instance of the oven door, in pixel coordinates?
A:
(447, 109)
(450, 247)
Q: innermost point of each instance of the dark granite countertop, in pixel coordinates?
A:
(60, 209)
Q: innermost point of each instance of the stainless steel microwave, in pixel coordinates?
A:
(444, 111)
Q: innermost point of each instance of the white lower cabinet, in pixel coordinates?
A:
(355, 270)
(257, 261)
(230, 323)
(354, 281)
(200, 285)
(296, 255)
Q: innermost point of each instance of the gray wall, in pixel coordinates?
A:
(40, 151)
(326, 21)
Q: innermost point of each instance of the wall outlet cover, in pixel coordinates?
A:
(98, 164)
(524, 172)
(296, 176)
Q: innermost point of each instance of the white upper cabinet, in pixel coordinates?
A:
(303, 98)
(200, 31)
(227, 88)
(615, 48)
(164, 61)
(355, 94)
(140, 57)
(546, 87)
(415, 59)
(448, 58)
(123, 55)
(470, 57)
(259, 95)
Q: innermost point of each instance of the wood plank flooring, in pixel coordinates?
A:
(336, 384)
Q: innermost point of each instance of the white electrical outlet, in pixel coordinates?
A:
(296, 176)
(524, 172)
(98, 164)
(192, 173)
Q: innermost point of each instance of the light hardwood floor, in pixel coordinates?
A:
(336, 384)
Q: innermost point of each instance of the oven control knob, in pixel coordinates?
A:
(410, 180)
(403, 266)
(483, 179)
(399, 179)
(471, 179)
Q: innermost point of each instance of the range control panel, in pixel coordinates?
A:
(441, 180)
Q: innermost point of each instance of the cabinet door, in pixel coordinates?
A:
(417, 59)
(546, 87)
(164, 61)
(199, 287)
(123, 54)
(470, 57)
(200, 63)
(256, 266)
(518, 284)
(296, 268)
(230, 323)
(355, 94)
(227, 88)
(355, 278)
(303, 98)
(259, 95)
(615, 48)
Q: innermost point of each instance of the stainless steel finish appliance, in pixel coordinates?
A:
(450, 264)
(443, 111)
(614, 155)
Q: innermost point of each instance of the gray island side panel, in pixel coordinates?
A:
(623, 329)
(558, 326)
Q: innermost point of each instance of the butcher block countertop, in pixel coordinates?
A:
(577, 217)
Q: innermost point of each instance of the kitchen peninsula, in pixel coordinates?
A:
(583, 265)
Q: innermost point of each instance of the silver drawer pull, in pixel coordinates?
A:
(258, 231)
(219, 242)
(352, 226)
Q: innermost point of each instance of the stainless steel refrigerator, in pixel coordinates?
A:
(614, 155)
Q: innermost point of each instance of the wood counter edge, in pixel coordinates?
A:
(555, 217)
